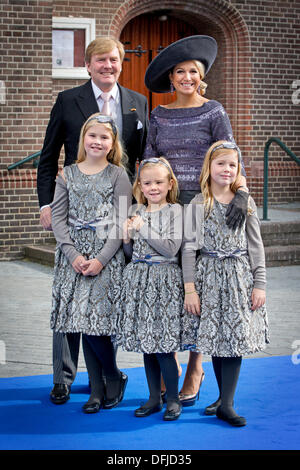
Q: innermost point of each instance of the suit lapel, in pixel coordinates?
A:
(129, 114)
(86, 100)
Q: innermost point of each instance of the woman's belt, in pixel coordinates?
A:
(155, 259)
(222, 254)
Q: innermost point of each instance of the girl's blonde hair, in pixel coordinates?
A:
(205, 182)
(150, 163)
(116, 155)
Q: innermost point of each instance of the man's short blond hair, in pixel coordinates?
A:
(103, 45)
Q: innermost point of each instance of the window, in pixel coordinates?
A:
(70, 38)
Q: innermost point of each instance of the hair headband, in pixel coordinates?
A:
(228, 145)
(153, 160)
(102, 119)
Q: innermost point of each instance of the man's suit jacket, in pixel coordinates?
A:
(69, 113)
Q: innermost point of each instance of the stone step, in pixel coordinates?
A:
(43, 254)
(276, 255)
(279, 255)
(280, 233)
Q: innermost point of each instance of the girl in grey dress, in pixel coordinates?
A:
(89, 261)
(152, 287)
(225, 283)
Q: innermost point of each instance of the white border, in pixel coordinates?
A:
(88, 24)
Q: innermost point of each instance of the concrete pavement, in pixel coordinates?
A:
(26, 338)
(25, 301)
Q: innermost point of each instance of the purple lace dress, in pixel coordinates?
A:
(183, 135)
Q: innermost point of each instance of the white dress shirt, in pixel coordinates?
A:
(114, 104)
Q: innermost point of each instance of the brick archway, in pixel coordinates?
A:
(224, 22)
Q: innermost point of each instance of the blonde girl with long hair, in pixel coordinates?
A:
(89, 258)
(153, 289)
(224, 277)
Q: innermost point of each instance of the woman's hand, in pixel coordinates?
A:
(258, 298)
(78, 262)
(192, 303)
(91, 267)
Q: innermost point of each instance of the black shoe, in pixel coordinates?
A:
(60, 394)
(92, 407)
(234, 421)
(172, 415)
(144, 411)
(112, 402)
(211, 410)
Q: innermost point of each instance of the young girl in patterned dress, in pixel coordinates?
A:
(225, 283)
(89, 260)
(153, 286)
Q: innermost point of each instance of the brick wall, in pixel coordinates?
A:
(260, 62)
(26, 72)
(274, 30)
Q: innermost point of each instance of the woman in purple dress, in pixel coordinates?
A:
(182, 131)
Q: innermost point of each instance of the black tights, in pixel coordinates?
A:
(165, 364)
(227, 371)
(100, 359)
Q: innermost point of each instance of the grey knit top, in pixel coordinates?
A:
(197, 233)
(183, 135)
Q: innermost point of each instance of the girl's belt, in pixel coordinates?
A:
(222, 254)
(80, 224)
(155, 259)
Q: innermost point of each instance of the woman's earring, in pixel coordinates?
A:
(172, 89)
(199, 90)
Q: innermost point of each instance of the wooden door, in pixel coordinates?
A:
(143, 38)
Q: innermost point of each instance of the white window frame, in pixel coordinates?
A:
(88, 24)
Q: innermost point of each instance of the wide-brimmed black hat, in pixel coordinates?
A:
(202, 48)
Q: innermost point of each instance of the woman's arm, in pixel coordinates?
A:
(151, 149)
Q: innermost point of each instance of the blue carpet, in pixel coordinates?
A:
(267, 395)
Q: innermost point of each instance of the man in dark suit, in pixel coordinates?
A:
(103, 59)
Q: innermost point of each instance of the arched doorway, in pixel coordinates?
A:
(143, 38)
(230, 78)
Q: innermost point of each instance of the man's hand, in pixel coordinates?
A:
(46, 218)
(237, 210)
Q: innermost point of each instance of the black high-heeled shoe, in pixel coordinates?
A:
(190, 400)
